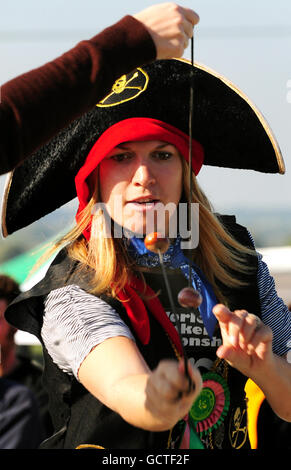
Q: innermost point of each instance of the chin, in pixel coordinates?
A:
(137, 232)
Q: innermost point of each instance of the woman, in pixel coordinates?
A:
(110, 348)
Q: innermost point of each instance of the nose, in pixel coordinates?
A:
(143, 175)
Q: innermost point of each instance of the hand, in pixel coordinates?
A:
(170, 26)
(167, 392)
(247, 342)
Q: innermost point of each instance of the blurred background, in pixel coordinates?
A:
(248, 42)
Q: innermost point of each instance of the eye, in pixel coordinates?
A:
(162, 155)
(121, 157)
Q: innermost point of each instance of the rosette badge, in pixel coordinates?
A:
(211, 406)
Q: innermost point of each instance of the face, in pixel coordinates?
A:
(137, 180)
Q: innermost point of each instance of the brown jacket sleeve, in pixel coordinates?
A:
(38, 104)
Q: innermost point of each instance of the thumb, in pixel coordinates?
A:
(194, 375)
(226, 352)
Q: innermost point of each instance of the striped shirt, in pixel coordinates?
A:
(76, 321)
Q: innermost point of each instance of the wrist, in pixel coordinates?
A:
(274, 379)
(128, 44)
(265, 370)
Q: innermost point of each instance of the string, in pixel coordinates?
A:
(173, 308)
(191, 101)
(191, 105)
(191, 385)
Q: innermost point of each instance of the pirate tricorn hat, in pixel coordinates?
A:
(231, 130)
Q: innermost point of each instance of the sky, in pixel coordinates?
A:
(248, 42)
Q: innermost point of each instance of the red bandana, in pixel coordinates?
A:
(130, 130)
(137, 313)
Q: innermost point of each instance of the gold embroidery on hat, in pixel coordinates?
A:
(126, 88)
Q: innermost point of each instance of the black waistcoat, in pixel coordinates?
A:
(78, 417)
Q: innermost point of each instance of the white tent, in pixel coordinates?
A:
(278, 259)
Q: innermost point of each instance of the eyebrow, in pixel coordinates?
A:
(124, 147)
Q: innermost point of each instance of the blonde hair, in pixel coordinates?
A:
(217, 254)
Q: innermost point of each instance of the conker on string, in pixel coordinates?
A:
(156, 243)
(189, 297)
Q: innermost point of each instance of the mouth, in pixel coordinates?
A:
(143, 203)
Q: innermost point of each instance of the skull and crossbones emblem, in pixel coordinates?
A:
(126, 88)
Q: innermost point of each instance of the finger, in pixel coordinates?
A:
(231, 323)
(186, 373)
(222, 313)
(169, 380)
(186, 42)
(188, 29)
(248, 330)
(164, 388)
(190, 15)
(235, 327)
(194, 376)
(258, 343)
(228, 353)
